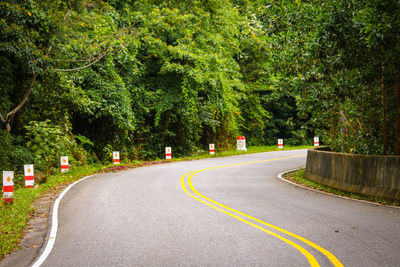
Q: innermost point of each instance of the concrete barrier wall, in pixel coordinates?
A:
(367, 175)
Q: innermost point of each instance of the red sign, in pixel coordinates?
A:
(29, 176)
(8, 187)
(316, 141)
(116, 157)
(64, 164)
(280, 143)
(168, 153)
(212, 149)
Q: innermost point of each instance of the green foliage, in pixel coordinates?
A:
(48, 142)
(84, 141)
(336, 59)
(136, 76)
(354, 74)
(185, 86)
(13, 155)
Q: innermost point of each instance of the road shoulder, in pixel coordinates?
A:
(35, 233)
(285, 176)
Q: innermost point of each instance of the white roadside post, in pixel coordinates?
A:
(168, 153)
(212, 149)
(29, 176)
(64, 164)
(241, 143)
(280, 143)
(8, 187)
(116, 157)
(316, 141)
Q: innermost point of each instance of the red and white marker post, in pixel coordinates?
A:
(212, 149)
(316, 141)
(29, 176)
(168, 153)
(241, 143)
(280, 143)
(64, 164)
(8, 187)
(116, 157)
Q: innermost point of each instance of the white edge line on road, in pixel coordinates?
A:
(51, 239)
(280, 176)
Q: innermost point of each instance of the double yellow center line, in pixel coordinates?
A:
(235, 214)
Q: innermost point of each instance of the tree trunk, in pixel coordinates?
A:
(333, 126)
(397, 116)
(384, 114)
(9, 117)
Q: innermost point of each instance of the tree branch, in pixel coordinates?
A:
(23, 101)
(72, 60)
(85, 66)
(7, 121)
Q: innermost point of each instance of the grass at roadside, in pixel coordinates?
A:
(14, 218)
(299, 178)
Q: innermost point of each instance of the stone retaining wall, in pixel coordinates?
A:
(364, 174)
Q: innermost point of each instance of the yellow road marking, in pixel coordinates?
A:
(311, 259)
(313, 262)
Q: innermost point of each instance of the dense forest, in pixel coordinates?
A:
(87, 77)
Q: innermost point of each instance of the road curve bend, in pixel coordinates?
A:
(219, 212)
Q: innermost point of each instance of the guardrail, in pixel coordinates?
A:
(364, 174)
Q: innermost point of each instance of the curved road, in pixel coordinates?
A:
(232, 212)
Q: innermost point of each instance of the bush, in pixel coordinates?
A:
(48, 142)
(13, 155)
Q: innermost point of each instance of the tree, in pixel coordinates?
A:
(41, 37)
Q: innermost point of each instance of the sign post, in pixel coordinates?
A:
(241, 143)
(280, 143)
(316, 141)
(29, 177)
(64, 164)
(168, 153)
(212, 149)
(8, 187)
(116, 157)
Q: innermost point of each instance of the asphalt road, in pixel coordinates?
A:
(144, 217)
